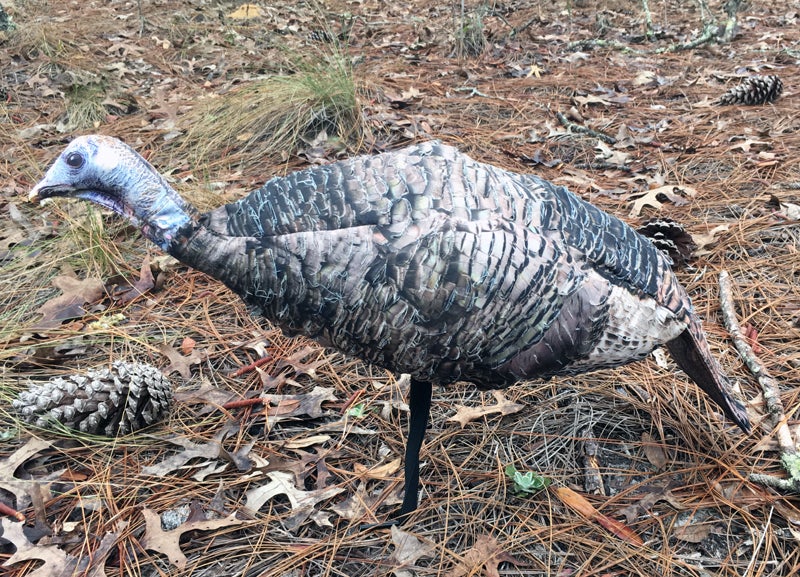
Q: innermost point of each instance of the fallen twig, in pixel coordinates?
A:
(776, 417)
(584, 130)
(251, 367)
(239, 403)
(6, 510)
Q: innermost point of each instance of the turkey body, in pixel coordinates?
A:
(426, 262)
(422, 261)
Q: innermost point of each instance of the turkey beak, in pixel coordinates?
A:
(45, 190)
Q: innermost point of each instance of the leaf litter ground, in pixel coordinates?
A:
(647, 477)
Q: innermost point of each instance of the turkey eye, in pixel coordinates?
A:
(74, 160)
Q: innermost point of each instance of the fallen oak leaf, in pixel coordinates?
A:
(379, 472)
(206, 451)
(466, 414)
(655, 197)
(145, 283)
(310, 404)
(95, 563)
(654, 451)
(302, 502)
(694, 532)
(650, 498)
(69, 305)
(360, 503)
(585, 509)
(408, 550)
(282, 483)
(786, 210)
(56, 563)
(295, 361)
(179, 363)
(208, 394)
(486, 553)
(705, 240)
(744, 144)
(19, 487)
(168, 542)
(300, 467)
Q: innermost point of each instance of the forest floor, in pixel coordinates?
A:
(646, 477)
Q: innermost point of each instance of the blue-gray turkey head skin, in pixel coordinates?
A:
(422, 261)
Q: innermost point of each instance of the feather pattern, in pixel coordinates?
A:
(422, 261)
(428, 262)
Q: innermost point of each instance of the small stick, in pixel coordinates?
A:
(6, 510)
(243, 403)
(777, 419)
(251, 367)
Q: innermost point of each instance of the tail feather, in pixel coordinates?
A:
(690, 350)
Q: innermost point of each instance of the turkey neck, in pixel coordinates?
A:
(222, 257)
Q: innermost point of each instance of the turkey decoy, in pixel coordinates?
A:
(421, 261)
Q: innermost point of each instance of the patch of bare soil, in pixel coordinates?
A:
(646, 477)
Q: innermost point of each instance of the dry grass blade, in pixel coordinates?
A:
(279, 114)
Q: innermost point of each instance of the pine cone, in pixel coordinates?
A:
(109, 402)
(754, 90)
(670, 238)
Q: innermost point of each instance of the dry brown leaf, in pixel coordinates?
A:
(643, 505)
(746, 143)
(206, 451)
(654, 197)
(310, 404)
(359, 504)
(408, 550)
(19, 487)
(788, 210)
(208, 394)
(300, 467)
(304, 442)
(486, 553)
(303, 368)
(187, 345)
(302, 502)
(654, 451)
(694, 532)
(615, 157)
(179, 363)
(379, 472)
(69, 305)
(168, 542)
(56, 563)
(704, 240)
(466, 414)
(141, 286)
(580, 505)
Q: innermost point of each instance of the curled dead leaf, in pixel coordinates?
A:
(584, 508)
(466, 414)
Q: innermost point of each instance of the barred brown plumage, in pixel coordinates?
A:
(103, 401)
(670, 238)
(754, 90)
(421, 261)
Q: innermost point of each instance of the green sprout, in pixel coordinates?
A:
(356, 411)
(526, 483)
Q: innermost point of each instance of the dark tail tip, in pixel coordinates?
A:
(690, 350)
